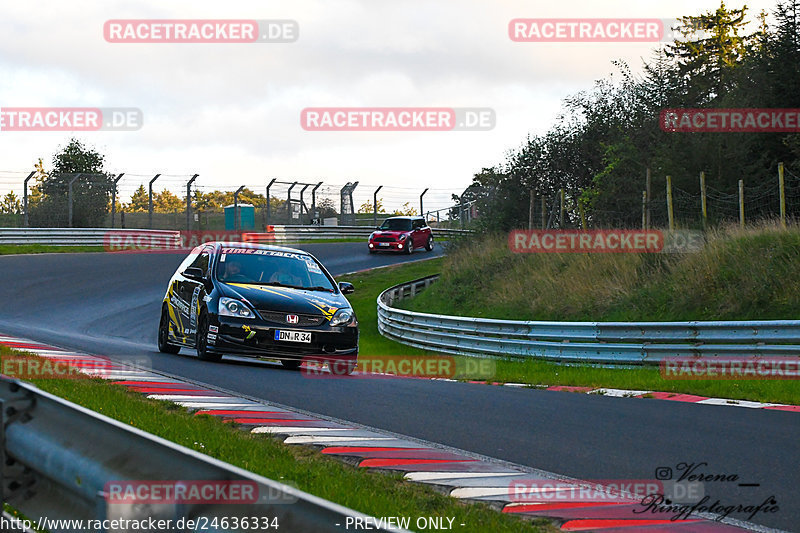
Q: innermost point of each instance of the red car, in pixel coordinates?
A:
(401, 234)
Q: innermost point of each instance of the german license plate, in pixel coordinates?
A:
(383, 244)
(292, 336)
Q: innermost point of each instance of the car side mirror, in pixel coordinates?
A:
(195, 274)
(346, 288)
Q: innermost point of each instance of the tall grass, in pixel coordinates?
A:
(741, 274)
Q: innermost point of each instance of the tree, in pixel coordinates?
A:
(91, 189)
(366, 207)
(167, 202)
(10, 204)
(406, 210)
(327, 208)
(140, 201)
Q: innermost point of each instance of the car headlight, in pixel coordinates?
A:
(372, 235)
(231, 307)
(402, 237)
(343, 317)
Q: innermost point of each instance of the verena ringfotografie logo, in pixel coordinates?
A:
(604, 241)
(751, 120)
(730, 368)
(201, 31)
(397, 119)
(588, 30)
(70, 119)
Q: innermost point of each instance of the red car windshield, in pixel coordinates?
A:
(396, 224)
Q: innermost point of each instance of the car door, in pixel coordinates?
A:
(192, 292)
(417, 233)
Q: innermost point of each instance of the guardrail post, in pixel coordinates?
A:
(670, 212)
(375, 206)
(421, 210)
(236, 208)
(69, 197)
(25, 196)
(289, 205)
(189, 202)
(150, 202)
(703, 204)
(741, 203)
(114, 200)
(782, 187)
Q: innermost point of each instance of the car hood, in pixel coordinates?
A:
(283, 299)
(390, 233)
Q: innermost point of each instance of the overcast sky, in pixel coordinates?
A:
(231, 112)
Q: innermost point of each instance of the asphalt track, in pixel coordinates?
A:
(109, 304)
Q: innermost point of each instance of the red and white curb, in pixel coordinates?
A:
(459, 474)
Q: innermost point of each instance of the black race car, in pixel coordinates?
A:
(261, 301)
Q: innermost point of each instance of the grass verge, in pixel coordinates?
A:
(16, 249)
(374, 493)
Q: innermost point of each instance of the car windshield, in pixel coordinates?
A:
(396, 224)
(269, 267)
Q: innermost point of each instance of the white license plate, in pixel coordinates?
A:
(292, 336)
(384, 243)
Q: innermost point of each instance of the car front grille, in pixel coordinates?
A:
(303, 320)
(384, 239)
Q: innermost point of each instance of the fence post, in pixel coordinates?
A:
(781, 184)
(69, 197)
(561, 210)
(314, 200)
(741, 203)
(703, 204)
(302, 202)
(289, 204)
(648, 197)
(25, 196)
(644, 210)
(189, 202)
(530, 210)
(544, 212)
(670, 212)
(375, 206)
(421, 210)
(114, 200)
(268, 205)
(583, 215)
(150, 202)
(236, 208)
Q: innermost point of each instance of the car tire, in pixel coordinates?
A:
(409, 247)
(429, 244)
(292, 364)
(163, 334)
(201, 336)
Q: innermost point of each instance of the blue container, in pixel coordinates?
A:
(246, 215)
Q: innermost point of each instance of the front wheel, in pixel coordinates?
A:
(429, 244)
(409, 247)
(202, 338)
(163, 334)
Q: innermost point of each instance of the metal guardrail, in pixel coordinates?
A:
(601, 342)
(59, 459)
(101, 236)
(75, 236)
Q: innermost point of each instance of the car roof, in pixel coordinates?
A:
(254, 246)
(409, 217)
